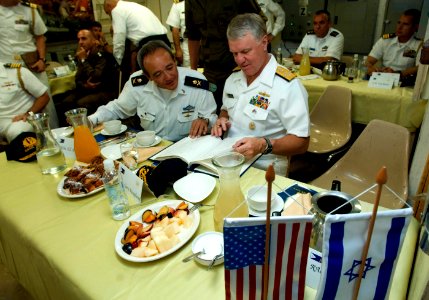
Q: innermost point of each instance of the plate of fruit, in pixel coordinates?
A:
(156, 231)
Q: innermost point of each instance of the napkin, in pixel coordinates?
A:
(292, 208)
(145, 153)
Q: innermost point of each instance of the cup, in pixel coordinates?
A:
(145, 138)
(130, 155)
(113, 126)
(257, 198)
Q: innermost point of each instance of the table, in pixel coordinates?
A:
(62, 84)
(395, 105)
(64, 249)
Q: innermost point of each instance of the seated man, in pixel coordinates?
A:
(324, 42)
(97, 30)
(21, 94)
(96, 80)
(398, 51)
(262, 102)
(174, 103)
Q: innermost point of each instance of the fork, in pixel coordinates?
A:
(195, 207)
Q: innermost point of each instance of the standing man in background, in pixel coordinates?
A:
(275, 17)
(22, 41)
(206, 24)
(136, 23)
(176, 19)
(324, 42)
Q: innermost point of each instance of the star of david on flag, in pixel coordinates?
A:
(344, 237)
(244, 248)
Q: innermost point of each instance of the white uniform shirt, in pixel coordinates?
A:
(331, 45)
(15, 31)
(396, 55)
(169, 118)
(271, 107)
(275, 16)
(14, 100)
(176, 19)
(134, 22)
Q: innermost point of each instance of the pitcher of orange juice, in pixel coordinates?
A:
(305, 66)
(85, 145)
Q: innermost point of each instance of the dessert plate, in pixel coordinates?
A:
(194, 187)
(62, 131)
(112, 152)
(123, 128)
(64, 193)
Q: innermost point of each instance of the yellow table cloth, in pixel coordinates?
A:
(395, 105)
(61, 248)
(62, 84)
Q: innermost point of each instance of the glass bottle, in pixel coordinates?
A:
(50, 158)
(71, 63)
(305, 66)
(354, 70)
(230, 200)
(85, 145)
(279, 56)
(115, 191)
(363, 69)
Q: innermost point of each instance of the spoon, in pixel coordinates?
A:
(186, 259)
(214, 260)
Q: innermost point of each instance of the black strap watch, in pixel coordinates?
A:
(269, 147)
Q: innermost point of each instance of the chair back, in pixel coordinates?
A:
(330, 120)
(380, 144)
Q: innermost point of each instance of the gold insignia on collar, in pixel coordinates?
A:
(197, 82)
(264, 94)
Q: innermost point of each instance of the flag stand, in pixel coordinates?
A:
(269, 177)
(381, 179)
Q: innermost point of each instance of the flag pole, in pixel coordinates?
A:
(269, 177)
(381, 179)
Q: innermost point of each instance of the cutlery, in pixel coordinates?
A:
(218, 256)
(186, 259)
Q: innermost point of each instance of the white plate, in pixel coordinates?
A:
(158, 140)
(183, 236)
(123, 128)
(194, 187)
(63, 193)
(277, 206)
(62, 131)
(112, 151)
(212, 243)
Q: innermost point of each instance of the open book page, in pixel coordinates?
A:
(197, 149)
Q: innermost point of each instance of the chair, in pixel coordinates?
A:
(330, 120)
(380, 144)
(348, 60)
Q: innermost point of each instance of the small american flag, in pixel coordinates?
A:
(244, 243)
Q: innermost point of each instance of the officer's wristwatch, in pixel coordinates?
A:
(269, 147)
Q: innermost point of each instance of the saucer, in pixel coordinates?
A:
(123, 128)
(158, 140)
(277, 206)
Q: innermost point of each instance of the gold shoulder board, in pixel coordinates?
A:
(285, 73)
(12, 65)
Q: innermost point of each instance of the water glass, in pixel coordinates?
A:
(130, 155)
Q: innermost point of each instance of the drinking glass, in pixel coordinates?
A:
(130, 155)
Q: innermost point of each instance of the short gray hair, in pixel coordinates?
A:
(243, 24)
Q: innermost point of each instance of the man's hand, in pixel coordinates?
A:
(20, 117)
(250, 146)
(81, 53)
(222, 124)
(199, 127)
(39, 66)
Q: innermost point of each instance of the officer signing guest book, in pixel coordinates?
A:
(198, 152)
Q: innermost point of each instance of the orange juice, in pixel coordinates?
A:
(305, 67)
(85, 145)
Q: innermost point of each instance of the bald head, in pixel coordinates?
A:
(109, 5)
(87, 39)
